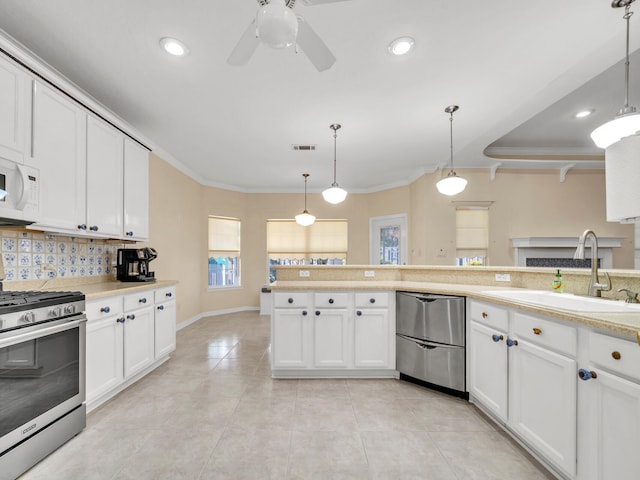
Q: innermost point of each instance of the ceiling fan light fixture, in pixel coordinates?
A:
(277, 25)
(305, 219)
(401, 46)
(174, 47)
(334, 194)
(627, 121)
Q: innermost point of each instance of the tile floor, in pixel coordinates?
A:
(213, 412)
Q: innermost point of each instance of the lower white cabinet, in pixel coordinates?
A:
(331, 329)
(105, 357)
(333, 334)
(522, 370)
(488, 373)
(542, 402)
(609, 426)
(123, 341)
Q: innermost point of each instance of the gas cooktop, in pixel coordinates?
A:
(20, 309)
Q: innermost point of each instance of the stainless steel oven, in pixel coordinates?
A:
(42, 375)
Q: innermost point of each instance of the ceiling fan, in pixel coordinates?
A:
(278, 27)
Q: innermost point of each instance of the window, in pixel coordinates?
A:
(324, 242)
(224, 252)
(472, 235)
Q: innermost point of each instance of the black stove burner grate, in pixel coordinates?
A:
(13, 301)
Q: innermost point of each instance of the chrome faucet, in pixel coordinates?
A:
(595, 287)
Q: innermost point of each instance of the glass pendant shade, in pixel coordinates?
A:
(616, 129)
(334, 194)
(452, 184)
(305, 219)
(277, 25)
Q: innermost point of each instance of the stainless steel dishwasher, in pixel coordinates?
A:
(430, 339)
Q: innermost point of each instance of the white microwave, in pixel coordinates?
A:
(19, 193)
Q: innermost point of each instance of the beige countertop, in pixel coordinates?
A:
(627, 324)
(92, 287)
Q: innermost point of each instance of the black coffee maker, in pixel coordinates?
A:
(133, 264)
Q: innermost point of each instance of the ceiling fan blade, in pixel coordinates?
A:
(313, 46)
(246, 46)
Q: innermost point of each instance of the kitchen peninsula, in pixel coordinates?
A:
(564, 382)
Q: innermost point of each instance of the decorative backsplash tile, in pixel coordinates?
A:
(25, 254)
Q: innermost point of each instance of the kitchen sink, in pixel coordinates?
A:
(565, 301)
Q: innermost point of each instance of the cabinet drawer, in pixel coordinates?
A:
(137, 300)
(372, 299)
(103, 307)
(290, 299)
(615, 354)
(491, 315)
(547, 333)
(330, 300)
(164, 294)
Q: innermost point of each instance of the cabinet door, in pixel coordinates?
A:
(611, 428)
(165, 329)
(488, 368)
(542, 402)
(104, 356)
(14, 84)
(331, 338)
(136, 191)
(105, 151)
(291, 338)
(372, 338)
(138, 340)
(59, 154)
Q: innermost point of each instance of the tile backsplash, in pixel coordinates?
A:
(25, 254)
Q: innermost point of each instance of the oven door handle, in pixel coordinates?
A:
(41, 332)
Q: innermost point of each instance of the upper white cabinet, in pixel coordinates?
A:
(105, 157)
(136, 191)
(14, 121)
(59, 152)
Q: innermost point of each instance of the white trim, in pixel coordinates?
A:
(213, 313)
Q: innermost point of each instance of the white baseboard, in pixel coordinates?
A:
(213, 313)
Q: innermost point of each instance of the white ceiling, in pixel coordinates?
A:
(503, 62)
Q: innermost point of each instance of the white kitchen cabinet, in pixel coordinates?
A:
(320, 333)
(373, 330)
(331, 338)
(59, 152)
(138, 332)
(291, 338)
(105, 357)
(164, 322)
(542, 402)
(105, 157)
(104, 346)
(488, 368)
(136, 191)
(14, 111)
(609, 426)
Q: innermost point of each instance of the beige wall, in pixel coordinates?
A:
(531, 203)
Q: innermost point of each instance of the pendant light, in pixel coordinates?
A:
(305, 218)
(627, 121)
(334, 194)
(452, 184)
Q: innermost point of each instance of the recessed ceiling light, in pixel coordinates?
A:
(583, 113)
(174, 47)
(401, 46)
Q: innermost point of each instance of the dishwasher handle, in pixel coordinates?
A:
(428, 345)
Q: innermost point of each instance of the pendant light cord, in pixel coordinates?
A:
(305, 175)
(335, 153)
(627, 16)
(451, 138)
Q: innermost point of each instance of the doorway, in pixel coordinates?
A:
(388, 240)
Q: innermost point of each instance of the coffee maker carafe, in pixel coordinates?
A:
(133, 264)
